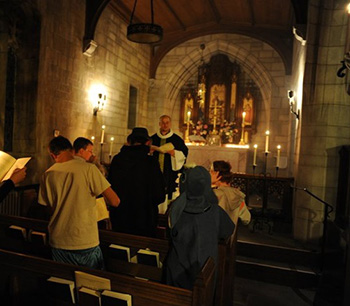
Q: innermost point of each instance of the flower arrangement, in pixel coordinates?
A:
(229, 132)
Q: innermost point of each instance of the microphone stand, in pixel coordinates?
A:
(327, 210)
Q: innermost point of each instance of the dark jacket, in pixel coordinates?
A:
(5, 189)
(136, 178)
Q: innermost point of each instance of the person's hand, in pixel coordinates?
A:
(171, 152)
(152, 149)
(93, 159)
(18, 175)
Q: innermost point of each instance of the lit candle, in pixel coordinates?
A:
(92, 139)
(278, 156)
(111, 146)
(103, 133)
(267, 133)
(243, 118)
(254, 159)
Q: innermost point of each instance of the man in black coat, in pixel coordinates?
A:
(137, 179)
(173, 159)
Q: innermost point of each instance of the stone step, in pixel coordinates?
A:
(276, 273)
(280, 254)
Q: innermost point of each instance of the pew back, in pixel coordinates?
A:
(225, 266)
(143, 292)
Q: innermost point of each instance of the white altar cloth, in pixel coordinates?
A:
(205, 155)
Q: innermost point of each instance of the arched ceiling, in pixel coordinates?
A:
(269, 20)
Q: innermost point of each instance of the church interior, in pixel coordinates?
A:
(261, 84)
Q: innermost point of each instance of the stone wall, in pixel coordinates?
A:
(325, 123)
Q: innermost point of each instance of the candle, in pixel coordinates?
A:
(278, 156)
(243, 118)
(254, 159)
(188, 116)
(92, 139)
(267, 133)
(103, 133)
(111, 146)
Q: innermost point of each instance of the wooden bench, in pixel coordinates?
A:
(225, 267)
(20, 271)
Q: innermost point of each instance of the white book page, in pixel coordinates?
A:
(20, 163)
(6, 162)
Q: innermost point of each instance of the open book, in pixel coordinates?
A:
(8, 164)
(164, 148)
(102, 212)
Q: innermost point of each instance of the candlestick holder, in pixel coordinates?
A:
(241, 142)
(109, 158)
(254, 166)
(101, 151)
(277, 171)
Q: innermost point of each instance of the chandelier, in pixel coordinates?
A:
(144, 33)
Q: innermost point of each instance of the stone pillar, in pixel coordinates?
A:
(325, 120)
(3, 65)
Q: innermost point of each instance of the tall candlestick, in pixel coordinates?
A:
(103, 133)
(254, 159)
(111, 146)
(267, 133)
(278, 156)
(215, 111)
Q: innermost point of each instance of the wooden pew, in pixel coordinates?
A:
(226, 263)
(26, 270)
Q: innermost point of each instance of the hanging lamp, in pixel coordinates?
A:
(144, 33)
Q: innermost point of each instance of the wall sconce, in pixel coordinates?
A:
(100, 103)
(291, 104)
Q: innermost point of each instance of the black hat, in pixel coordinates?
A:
(139, 132)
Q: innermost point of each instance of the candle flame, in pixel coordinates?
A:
(103, 127)
(112, 138)
(255, 146)
(92, 137)
(278, 147)
(267, 132)
(348, 8)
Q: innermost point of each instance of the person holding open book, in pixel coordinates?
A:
(68, 189)
(17, 176)
(171, 152)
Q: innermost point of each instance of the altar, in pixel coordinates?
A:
(205, 155)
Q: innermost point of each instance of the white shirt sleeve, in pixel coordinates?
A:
(177, 161)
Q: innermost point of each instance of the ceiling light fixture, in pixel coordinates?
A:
(144, 33)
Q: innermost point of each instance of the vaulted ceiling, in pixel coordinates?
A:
(269, 20)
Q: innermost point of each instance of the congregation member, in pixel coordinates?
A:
(172, 160)
(68, 189)
(197, 223)
(17, 176)
(136, 177)
(230, 199)
(83, 148)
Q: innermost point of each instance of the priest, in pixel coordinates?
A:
(171, 152)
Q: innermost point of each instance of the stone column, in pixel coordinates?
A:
(325, 120)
